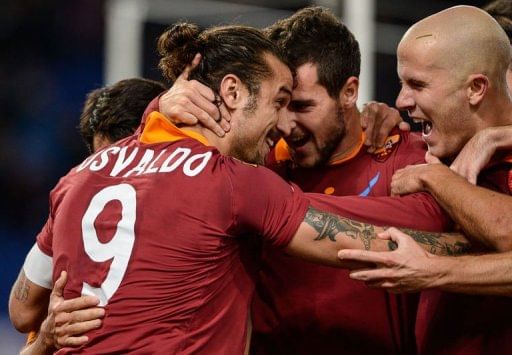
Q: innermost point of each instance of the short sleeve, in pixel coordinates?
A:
(265, 204)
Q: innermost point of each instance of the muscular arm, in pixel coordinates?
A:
(488, 274)
(28, 304)
(479, 150)
(482, 213)
(410, 268)
(322, 234)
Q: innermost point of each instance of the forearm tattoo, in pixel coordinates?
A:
(329, 226)
(436, 243)
(22, 288)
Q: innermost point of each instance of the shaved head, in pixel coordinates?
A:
(453, 68)
(464, 40)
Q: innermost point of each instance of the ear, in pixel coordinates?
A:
(478, 85)
(232, 91)
(349, 92)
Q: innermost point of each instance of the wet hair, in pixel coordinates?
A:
(501, 11)
(237, 50)
(115, 111)
(315, 35)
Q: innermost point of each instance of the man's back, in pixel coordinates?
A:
(156, 231)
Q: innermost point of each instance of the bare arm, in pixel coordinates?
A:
(409, 268)
(322, 234)
(479, 150)
(483, 214)
(66, 322)
(28, 304)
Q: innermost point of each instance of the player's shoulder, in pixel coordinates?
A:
(400, 143)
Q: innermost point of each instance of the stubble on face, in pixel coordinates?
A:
(245, 146)
(324, 147)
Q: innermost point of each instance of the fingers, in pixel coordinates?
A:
(378, 120)
(365, 256)
(372, 275)
(364, 117)
(72, 329)
(186, 72)
(368, 117)
(78, 303)
(58, 287)
(71, 341)
(79, 316)
(396, 235)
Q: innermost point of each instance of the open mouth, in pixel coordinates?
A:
(298, 141)
(426, 128)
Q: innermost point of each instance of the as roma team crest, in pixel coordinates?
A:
(383, 153)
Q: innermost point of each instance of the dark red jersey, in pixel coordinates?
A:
(302, 308)
(158, 226)
(457, 324)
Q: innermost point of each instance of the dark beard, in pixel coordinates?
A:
(333, 141)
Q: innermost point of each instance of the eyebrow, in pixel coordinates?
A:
(303, 102)
(286, 90)
(422, 36)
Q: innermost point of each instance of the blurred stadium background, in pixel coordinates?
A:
(54, 52)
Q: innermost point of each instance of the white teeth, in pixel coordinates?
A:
(417, 120)
(427, 128)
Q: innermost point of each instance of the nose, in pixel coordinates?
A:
(405, 101)
(286, 122)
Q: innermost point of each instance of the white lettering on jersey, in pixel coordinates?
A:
(141, 166)
(87, 161)
(164, 162)
(165, 168)
(122, 162)
(96, 166)
(151, 168)
(187, 168)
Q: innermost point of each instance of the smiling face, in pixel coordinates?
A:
(319, 124)
(435, 96)
(257, 132)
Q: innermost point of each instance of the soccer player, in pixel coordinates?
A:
(456, 100)
(323, 152)
(109, 113)
(173, 273)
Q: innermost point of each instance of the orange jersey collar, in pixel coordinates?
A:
(282, 152)
(159, 129)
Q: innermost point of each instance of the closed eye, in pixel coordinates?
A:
(300, 106)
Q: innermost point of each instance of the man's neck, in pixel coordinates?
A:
(352, 138)
(221, 143)
(497, 112)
